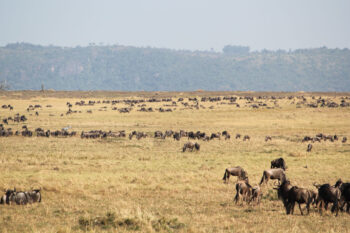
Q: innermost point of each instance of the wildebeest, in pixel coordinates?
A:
(309, 148)
(267, 138)
(226, 135)
(278, 163)
(291, 194)
(314, 197)
(177, 136)
(244, 189)
(282, 192)
(238, 136)
(234, 171)
(34, 195)
(328, 194)
(191, 146)
(301, 196)
(256, 194)
(158, 134)
(345, 195)
(246, 137)
(344, 140)
(275, 173)
(215, 135)
(20, 197)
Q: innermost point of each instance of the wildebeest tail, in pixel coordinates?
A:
(262, 179)
(225, 175)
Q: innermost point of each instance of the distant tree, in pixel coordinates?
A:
(4, 86)
(236, 50)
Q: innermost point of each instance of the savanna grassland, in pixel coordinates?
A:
(150, 185)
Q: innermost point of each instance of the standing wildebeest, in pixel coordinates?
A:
(34, 195)
(20, 198)
(275, 173)
(291, 194)
(299, 195)
(238, 136)
(344, 140)
(329, 194)
(191, 146)
(282, 192)
(278, 163)
(244, 189)
(234, 171)
(309, 147)
(267, 138)
(246, 137)
(345, 195)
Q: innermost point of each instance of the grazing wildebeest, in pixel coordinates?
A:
(314, 197)
(278, 163)
(226, 135)
(234, 171)
(191, 146)
(256, 194)
(328, 194)
(267, 138)
(275, 173)
(158, 134)
(177, 136)
(246, 137)
(215, 135)
(244, 189)
(309, 148)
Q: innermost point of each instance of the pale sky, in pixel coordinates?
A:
(178, 24)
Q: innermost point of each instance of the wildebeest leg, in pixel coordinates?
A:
(236, 198)
(320, 207)
(335, 207)
(292, 209)
(326, 206)
(301, 211)
(308, 208)
(289, 207)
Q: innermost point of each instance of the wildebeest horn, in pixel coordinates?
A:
(316, 185)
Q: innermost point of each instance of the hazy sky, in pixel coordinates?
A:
(178, 24)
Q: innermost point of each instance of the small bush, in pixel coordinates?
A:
(168, 225)
(109, 221)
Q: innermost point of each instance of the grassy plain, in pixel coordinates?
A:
(149, 185)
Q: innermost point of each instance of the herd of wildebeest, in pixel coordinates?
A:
(338, 194)
(324, 194)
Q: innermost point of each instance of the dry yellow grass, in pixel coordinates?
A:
(151, 181)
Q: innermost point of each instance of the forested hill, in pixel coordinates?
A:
(27, 66)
